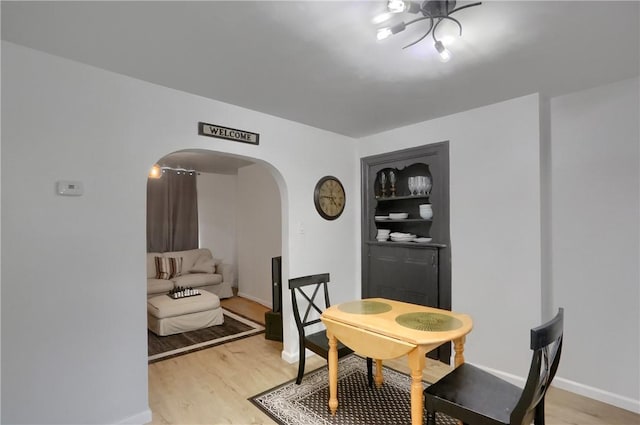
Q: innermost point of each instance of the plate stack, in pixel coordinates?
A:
(402, 237)
(383, 235)
(398, 216)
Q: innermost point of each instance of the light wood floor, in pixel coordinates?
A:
(242, 306)
(212, 386)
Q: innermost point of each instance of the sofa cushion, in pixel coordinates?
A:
(190, 257)
(168, 267)
(158, 286)
(204, 265)
(195, 280)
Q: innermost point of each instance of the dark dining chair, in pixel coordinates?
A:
(477, 397)
(318, 341)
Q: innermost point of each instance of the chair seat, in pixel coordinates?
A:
(486, 398)
(319, 344)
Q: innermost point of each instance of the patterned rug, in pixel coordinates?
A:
(234, 327)
(306, 404)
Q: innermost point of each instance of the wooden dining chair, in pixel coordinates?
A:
(317, 341)
(477, 397)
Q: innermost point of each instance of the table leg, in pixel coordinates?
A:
(333, 373)
(416, 363)
(458, 346)
(379, 378)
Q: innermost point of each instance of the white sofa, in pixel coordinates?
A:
(199, 270)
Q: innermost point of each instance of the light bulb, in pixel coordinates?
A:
(387, 31)
(447, 32)
(384, 33)
(396, 6)
(381, 18)
(445, 54)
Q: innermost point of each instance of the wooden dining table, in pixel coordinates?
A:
(385, 329)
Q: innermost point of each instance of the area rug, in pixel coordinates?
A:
(306, 404)
(234, 327)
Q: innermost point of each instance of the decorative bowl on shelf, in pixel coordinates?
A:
(398, 216)
(422, 240)
(381, 217)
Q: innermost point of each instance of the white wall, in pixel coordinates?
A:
(495, 222)
(67, 312)
(73, 321)
(590, 198)
(595, 239)
(217, 210)
(259, 232)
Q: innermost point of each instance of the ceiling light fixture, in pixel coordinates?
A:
(433, 11)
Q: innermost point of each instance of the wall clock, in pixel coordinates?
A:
(329, 197)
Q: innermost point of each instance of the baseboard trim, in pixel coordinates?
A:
(252, 298)
(290, 357)
(138, 419)
(613, 399)
(616, 400)
(514, 379)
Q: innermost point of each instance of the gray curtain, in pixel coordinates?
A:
(172, 212)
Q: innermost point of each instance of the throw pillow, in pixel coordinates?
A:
(175, 265)
(162, 268)
(204, 265)
(168, 267)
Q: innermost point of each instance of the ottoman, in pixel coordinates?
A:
(166, 316)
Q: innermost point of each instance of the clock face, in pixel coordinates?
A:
(329, 197)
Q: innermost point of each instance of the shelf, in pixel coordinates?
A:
(408, 244)
(399, 198)
(404, 220)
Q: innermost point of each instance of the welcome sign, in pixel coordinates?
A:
(234, 134)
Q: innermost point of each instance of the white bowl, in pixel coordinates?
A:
(381, 217)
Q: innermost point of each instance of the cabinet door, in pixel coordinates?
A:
(404, 274)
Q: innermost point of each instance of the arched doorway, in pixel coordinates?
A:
(240, 214)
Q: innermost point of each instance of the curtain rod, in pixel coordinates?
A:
(184, 170)
(179, 170)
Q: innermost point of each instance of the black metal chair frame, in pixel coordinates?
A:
(316, 342)
(477, 397)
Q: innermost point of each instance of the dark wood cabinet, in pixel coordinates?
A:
(403, 273)
(410, 271)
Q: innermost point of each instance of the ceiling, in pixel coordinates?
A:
(319, 63)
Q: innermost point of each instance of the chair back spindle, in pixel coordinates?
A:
(477, 397)
(313, 305)
(546, 343)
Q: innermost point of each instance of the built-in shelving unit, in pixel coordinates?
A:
(416, 272)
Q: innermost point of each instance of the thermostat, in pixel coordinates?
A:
(69, 188)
